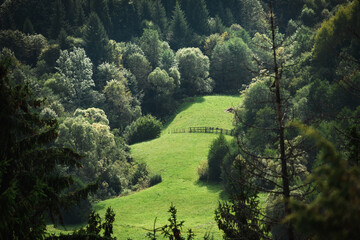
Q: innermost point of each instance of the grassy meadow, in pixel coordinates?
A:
(175, 157)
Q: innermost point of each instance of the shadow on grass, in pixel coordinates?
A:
(184, 104)
(213, 187)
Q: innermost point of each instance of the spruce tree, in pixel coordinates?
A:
(57, 19)
(169, 6)
(179, 29)
(159, 16)
(96, 39)
(197, 16)
(30, 184)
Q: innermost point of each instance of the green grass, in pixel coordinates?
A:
(175, 157)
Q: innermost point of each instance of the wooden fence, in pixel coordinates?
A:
(203, 130)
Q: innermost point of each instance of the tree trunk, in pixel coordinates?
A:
(284, 171)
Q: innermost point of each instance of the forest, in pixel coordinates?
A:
(91, 89)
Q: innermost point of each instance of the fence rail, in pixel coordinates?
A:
(203, 130)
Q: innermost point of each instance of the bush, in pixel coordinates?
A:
(155, 179)
(144, 128)
(203, 170)
(218, 150)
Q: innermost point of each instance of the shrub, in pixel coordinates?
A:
(218, 150)
(203, 170)
(155, 179)
(144, 128)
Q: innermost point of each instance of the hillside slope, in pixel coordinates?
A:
(175, 157)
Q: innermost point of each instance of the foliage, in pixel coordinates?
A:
(95, 38)
(75, 70)
(93, 228)
(198, 16)
(173, 230)
(26, 48)
(167, 57)
(105, 73)
(93, 115)
(202, 170)
(141, 68)
(332, 36)
(105, 158)
(28, 166)
(179, 29)
(150, 44)
(231, 65)
(241, 217)
(333, 213)
(159, 97)
(144, 128)
(217, 151)
(121, 107)
(194, 70)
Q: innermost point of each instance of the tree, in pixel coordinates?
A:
(121, 107)
(141, 68)
(29, 161)
(143, 129)
(230, 64)
(159, 97)
(197, 16)
(95, 38)
(252, 16)
(125, 19)
(240, 218)
(218, 150)
(171, 231)
(194, 70)
(332, 38)
(159, 16)
(105, 73)
(278, 160)
(167, 58)
(105, 158)
(179, 30)
(57, 18)
(75, 70)
(333, 213)
(150, 44)
(26, 48)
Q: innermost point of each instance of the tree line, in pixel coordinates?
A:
(104, 69)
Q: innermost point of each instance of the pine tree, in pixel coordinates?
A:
(79, 18)
(159, 16)
(57, 19)
(179, 29)
(169, 6)
(126, 20)
(197, 16)
(30, 185)
(101, 7)
(96, 39)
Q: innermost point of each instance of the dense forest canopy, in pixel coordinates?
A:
(96, 76)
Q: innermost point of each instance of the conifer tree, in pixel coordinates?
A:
(57, 18)
(169, 6)
(179, 29)
(96, 39)
(159, 16)
(79, 17)
(197, 16)
(101, 7)
(30, 185)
